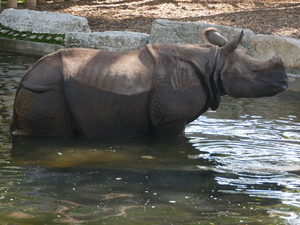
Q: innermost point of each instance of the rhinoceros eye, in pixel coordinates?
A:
(255, 71)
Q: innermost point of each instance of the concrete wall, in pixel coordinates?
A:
(28, 47)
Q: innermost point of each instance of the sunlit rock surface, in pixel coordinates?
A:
(166, 31)
(43, 22)
(266, 46)
(108, 40)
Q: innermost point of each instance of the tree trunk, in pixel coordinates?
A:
(30, 3)
(12, 3)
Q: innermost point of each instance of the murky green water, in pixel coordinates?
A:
(239, 165)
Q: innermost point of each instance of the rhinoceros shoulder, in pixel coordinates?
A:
(176, 61)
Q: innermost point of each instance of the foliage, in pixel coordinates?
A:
(29, 36)
(4, 3)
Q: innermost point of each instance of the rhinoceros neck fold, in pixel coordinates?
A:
(215, 83)
(216, 78)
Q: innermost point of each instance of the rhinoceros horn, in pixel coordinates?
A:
(277, 59)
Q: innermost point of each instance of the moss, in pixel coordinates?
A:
(6, 32)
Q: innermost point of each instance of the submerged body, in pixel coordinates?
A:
(155, 90)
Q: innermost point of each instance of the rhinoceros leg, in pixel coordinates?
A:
(43, 113)
(173, 128)
(40, 107)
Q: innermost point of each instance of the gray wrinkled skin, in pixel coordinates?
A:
(155, 90)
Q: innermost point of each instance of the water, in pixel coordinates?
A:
(239, 165)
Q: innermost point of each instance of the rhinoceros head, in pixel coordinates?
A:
(239, 75)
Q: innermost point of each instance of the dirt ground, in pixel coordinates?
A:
(275, 17)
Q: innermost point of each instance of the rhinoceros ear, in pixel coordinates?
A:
(213, 36)
(233, 44)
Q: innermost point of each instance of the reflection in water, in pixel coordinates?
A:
(131, 153)
(139, 179)
(239, 165)
(99, 180)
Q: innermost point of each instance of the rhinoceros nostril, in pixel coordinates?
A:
(283, 84)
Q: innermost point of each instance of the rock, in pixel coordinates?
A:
(266, 46)
(58, 39)
(32, 37)
(165, 31)
(43, 22)
(108, 40)
(4, 31)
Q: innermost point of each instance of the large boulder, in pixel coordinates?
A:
(166, 31)
(108, 40)
(265, 46)
(43, 22)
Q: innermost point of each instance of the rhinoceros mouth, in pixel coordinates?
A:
(281, 85)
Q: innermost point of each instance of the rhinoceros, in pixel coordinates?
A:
(155, 90)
